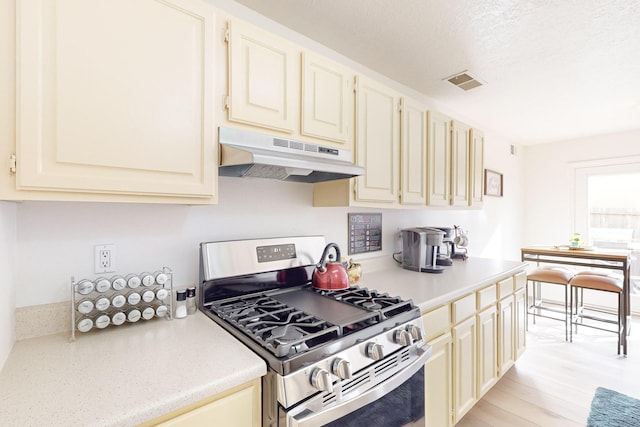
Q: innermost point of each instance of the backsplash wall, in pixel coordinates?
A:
(55, 240)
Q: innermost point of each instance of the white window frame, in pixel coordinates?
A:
(582, 171)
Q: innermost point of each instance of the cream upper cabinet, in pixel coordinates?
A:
(439, 159)
(460, 164)
(377, 150)
(115, 98)
(413, 153)
(327, 100)
(263, 78)
(477, 168)
(377, 142)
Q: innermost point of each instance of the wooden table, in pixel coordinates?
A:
(610, 259)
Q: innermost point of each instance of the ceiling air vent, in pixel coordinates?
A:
(464, 81)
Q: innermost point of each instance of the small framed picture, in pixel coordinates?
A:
(492, 183)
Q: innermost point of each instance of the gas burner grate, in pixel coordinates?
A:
(370, 300)
(281, 329)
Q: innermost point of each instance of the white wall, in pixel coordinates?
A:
(55, 239)
(548, 181)
(7, 282)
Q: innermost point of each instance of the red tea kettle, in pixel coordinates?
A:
(330, 275)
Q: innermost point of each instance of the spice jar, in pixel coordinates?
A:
(181, 304)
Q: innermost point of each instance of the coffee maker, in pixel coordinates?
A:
(447, 248)
(420, 249)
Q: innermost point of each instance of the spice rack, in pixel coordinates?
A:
(111, 302)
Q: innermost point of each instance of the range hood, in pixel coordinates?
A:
(249, 154)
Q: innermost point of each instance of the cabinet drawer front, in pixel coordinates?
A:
(486, 297)
(505, 287)
(520, 280)
(436, 322)
(464, 308)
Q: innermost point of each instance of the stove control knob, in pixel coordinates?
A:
(416, 332)
(321, 380)
(375, 351)
(402, 337)
(341, 368)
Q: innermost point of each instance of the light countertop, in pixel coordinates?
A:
(129, 375)
(428, 290)
(121, 376)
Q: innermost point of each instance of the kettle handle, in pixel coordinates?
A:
(322, 263)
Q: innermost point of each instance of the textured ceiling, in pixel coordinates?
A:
(554, 70)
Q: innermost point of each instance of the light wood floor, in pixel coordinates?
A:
(553, 383)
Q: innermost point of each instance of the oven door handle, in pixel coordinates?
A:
(309, 418)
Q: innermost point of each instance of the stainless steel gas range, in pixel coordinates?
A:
(351, 357)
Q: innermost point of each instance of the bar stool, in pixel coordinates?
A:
(555, 276)
(597, 281)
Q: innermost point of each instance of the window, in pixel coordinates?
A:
(607, 209)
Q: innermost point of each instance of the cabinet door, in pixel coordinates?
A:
(477, 168)
(115, 97)
(487, 349)
(438, 159)
(437, 383)
(327, 100)
(460, 164)
(263, 81)
(377, 142)
(413, 152)
(506, 350)
(464, 367)
(521, 322)
(239, 409)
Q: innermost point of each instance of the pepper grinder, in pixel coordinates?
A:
(191, 300)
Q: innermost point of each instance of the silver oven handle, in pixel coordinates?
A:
(309, 418)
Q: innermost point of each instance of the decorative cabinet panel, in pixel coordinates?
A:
(477, 168)
(239, 407)
(327, 100)
(438, 375)
(506, 348)
(104, 107)
(521, 322)
(487, 349)
(439, 160)
(377, 142)
(413, 152)
(460, 164)
(465, 367)
(263, 78)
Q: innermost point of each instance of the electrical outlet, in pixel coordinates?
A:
(105, 258)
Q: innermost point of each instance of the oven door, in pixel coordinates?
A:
(396, 402)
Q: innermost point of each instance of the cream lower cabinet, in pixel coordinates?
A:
(115, 98)
(506, 332)
(465, 368)
(486, 337)
(439, 368)
(239, 407)
(487, 349)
